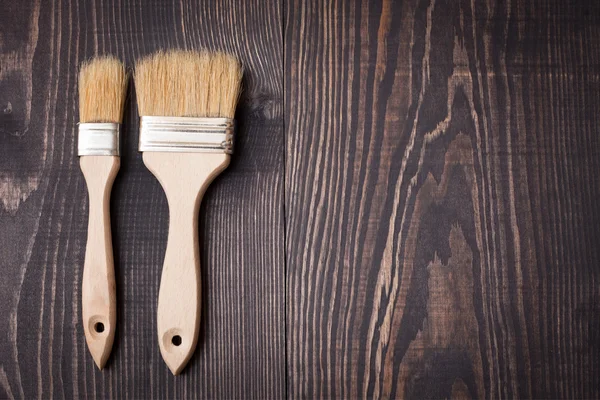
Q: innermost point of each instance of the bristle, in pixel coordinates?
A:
(188, 84)
(102, 88)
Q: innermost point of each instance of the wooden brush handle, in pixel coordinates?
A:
(184, 178)
(99, 304)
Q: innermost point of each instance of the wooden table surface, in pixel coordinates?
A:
(410, 212)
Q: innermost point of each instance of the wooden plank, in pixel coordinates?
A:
(441, 175)
(43, 208)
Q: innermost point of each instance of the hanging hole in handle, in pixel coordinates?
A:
(173, 340)
(99, 327)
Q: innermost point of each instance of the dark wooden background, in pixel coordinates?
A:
(411, 210)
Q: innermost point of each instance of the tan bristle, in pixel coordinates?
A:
(102, 88)
(181, 83)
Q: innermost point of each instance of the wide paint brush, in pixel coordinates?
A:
(187, 102)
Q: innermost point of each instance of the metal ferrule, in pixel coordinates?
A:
(98, 139)
(186, 134)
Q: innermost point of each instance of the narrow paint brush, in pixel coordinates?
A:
(187, 102)
(102, 87)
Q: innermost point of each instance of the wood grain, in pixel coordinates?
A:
(441, 174)
(416, 219)
(44, 207)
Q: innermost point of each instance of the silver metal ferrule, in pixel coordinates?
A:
(98, 139)
(186, 134)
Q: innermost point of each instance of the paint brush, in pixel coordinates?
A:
(102, 88)
(187, 102)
